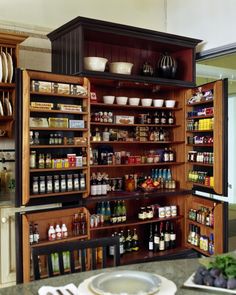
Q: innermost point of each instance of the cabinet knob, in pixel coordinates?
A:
(4, 219)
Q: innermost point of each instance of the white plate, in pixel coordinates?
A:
(125, 282)
(167, 287)
(1, 109)
(10, 67)
(8, 107)
(190, 283)
(0, 69)
(4, 68)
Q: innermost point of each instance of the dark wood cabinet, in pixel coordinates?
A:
(86, 37)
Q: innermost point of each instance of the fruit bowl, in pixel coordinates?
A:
(149, 189)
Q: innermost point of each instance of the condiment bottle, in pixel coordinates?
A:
(58, 232)
(64, 231)
(51, 233)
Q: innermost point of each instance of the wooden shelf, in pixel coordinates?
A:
(200, 164)
(198, 131)
(57, 112)
(57, 94)
(200, 184)
(129, 107)
(135, 142)
(58, 129)
(138, 165)
(57, 194)
(205, 253)
(134, 125)
(58, 146)
(6, 118)
(201, 144)
(145, 255)
(70, 238)
(7, 85)
(199, 224)
(57, 169)
(210, 101)
(200, 117)
(133, 222)
(122, 195)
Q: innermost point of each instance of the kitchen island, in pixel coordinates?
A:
(176, 270)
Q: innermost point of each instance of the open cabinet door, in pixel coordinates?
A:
(206, 138)
(77, 223)
(206, 229)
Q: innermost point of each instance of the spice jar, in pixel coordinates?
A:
(142, 213)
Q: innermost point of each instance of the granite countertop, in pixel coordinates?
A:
(176, 270)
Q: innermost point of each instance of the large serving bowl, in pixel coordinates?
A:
(146, 102)
(93, 63)
(120, 68)
(170, 103)
(158, 102)
(121, 100)
(109, 99)
(134, 101)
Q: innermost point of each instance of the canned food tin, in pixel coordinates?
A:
(173, 210)
(161, 212)
(167, 211)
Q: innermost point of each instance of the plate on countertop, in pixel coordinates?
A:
(166, 287)
(10, 67)
(4, 67)
(189, 283)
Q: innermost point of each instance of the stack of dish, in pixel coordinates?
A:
(6, 67)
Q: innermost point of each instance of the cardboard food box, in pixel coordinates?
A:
(58, 122)
(76, 124)
(41, 86)
(124, 119)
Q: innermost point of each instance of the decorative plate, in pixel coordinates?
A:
(190, 283)
(4, 68)
(0, 69)
(125, 283)
(10, 67)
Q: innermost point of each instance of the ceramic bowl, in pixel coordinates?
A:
(109, 99)
(170, 103)
(158, 102)
(121, 100)
(146, 102)
(120, 68)
(92, 63)
(134, 101)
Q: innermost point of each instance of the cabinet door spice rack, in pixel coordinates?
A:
(55, 131)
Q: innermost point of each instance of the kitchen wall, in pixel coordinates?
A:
(213, 21)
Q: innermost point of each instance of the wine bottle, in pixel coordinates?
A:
(135, 241)
(128, 242)
(167, 236)
(150, 240)
(162, 238)
(172, 236)
(156, 240)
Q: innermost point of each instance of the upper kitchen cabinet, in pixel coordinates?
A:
(149, 52)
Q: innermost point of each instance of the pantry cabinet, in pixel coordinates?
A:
(125, 143)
